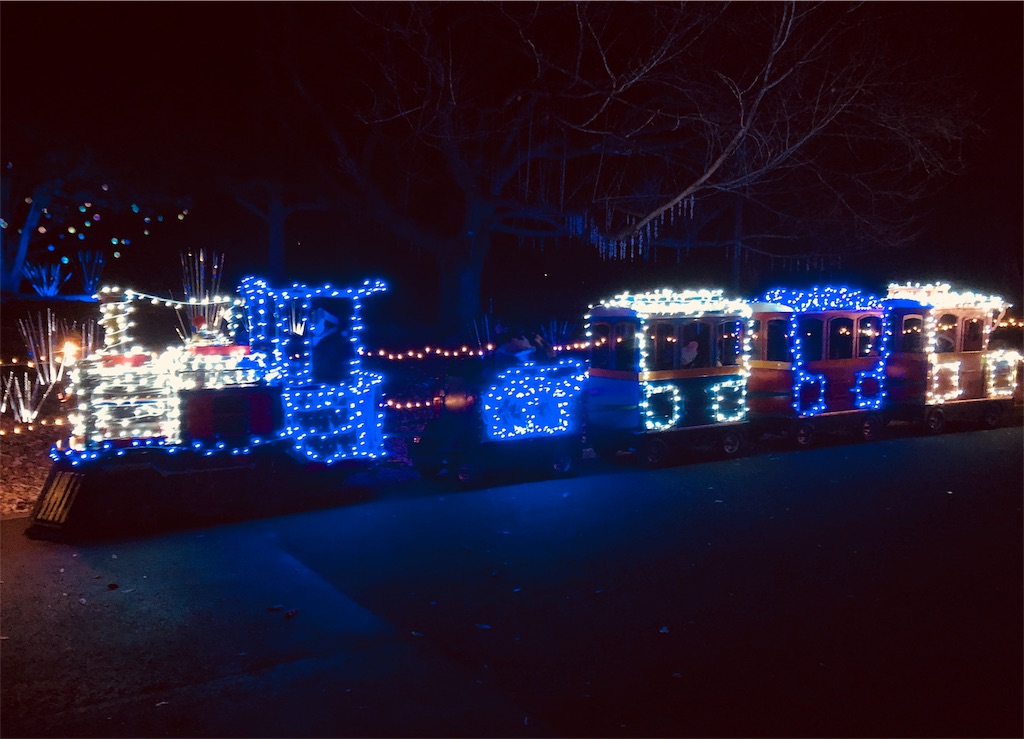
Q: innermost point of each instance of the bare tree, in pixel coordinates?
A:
(52, 192)
(622, 124)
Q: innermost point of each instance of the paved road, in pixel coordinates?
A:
(852, 590)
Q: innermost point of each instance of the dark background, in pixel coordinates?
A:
(175, 88)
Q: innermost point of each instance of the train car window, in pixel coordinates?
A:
(625, 346)
(840, 338)
(945, 338)
(600, 345)
(777, 341)
(811, 336)
(869, 336)
(664, 345)
(756, 340)
(729, 346)
(974, 334)
(911, 337)
(695, 344)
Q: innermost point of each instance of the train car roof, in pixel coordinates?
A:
(941, 295)
(762, 307)
(254, 285)
(820, 299)
(668, 302)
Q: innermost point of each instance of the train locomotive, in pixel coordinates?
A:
(269, 389)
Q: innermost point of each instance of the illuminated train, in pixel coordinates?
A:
(670, 370)
(216, 415)
(272, 385)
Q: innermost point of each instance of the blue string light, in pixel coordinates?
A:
(869, 385)
(534, 400)
(322, 421)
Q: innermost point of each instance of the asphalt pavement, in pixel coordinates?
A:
(851, 590)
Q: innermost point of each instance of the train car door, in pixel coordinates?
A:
(848, 345)
(770, 385)
(907, 366)
(613, 387)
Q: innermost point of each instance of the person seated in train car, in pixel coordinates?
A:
(696, 332)
(688, 355)
(729, 347)
(945, 338)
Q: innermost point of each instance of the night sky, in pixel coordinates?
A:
(175, 92)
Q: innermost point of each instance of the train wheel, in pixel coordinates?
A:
(993, 416)
(429, 471)
(732, 443)
(805, 435)
(562, 463)
(935, 421)
(871, 428)
(467, 472)
(655, 453)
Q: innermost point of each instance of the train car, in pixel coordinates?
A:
(264, 388)
(491, 413)
(668, 370)
(817, 364)
(940, 367)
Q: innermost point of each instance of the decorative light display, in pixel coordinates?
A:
(678, 303)
(823, 299)
(1001, 372)
(945, 384)
(729, 400)
(939, 295)
(654, 420)
(533, 400)
(114, 319)
(867, 388)
(328, 422)
(128, 399)
(429, 352)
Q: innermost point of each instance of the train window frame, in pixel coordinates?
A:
(721, 340)
(757, 343)
(976, 342)
(625, 359)
(946, 339)
(665, 345)
(840, 345)
(874, 348)
(918, 346)
(819, 340)
(777, 346)
(601, 353)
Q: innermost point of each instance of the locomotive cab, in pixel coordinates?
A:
(263, 387)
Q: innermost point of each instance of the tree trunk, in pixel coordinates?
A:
(460, 281)
(276, 216)
(737, 248)
(13, 271)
